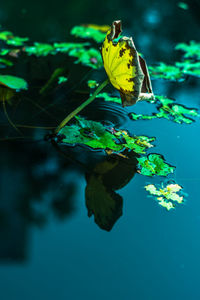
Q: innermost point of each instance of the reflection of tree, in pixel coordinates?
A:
(101, 199)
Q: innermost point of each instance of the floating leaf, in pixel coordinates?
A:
(12, 40)
(62, 79)
(66, 47)
(167, 196)
(89, 32)
(40, 49)
(89, 57)
(170, 111)
(189, 67)
(106, 97)
(4, 52)
(126, 70)
(5, 63)
(92, 84)
(192, 50)
(97, 136)
(168, 72)
(13, 82)
(154, 164)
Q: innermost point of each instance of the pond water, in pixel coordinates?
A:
(49, 247)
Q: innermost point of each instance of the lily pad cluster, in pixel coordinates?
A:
(166, 195)
(169, 110)
(154, 164)
(189, 65)
(97, 136)
(90, 31)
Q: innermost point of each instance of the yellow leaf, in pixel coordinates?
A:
(125, 68)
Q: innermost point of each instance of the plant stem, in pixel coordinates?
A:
(82, 106)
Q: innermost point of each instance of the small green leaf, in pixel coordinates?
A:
(40, 49)
(154, 164)
(5, 63)
(192, 50)
(12, 40)
(66, 47)
(183, 5)
(88, 57)
(88, 33)
(13, 82)
(168, 72)
(62, 79)
(106, 97)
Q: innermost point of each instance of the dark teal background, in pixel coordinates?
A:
(150, 254)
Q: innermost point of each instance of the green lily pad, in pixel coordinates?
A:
(97, 136)
(189, 67)
(109, 98)
(13, 82)
(154, 164)
(5, 63)
(88, 57)
(12, 40)
(166, 195)
(87, 32)
(169, 110)
(62, 79)
(168, 72)
(92, 84)
(192, 50)
(66, 47)
(40, 49)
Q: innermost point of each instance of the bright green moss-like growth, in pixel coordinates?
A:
(154, 164)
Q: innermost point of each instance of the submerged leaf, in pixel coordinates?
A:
(154, 164)
(97, 136)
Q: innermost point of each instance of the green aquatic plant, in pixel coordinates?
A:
(154, 164)
(107, 97)
(169, 110)
(66, 47)
(62, 79)
(5, 63)
(9, 38)
(192, 50)
(168, 72)
(166, 195)
(189, 67)
(90, 31)
(40, 49)
(183, 5)
(89, 57)
(13, 82)
(97, 136)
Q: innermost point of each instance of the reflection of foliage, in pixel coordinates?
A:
(101, 199)
(167, 195)
(168, 72)
(97, 136)
(89, 33)
(154, 164)
(192, 50)
(169, 110)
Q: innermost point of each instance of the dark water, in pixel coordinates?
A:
(49, 247)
